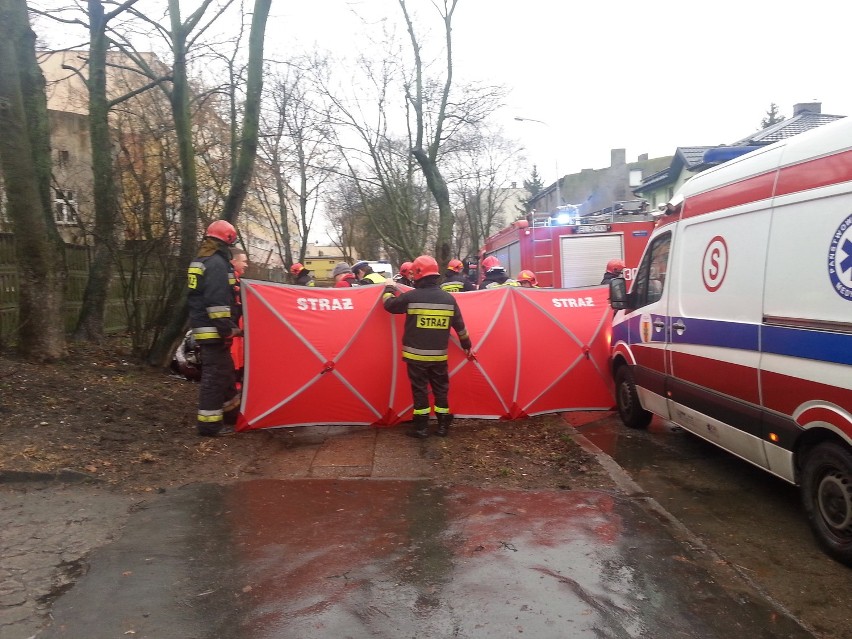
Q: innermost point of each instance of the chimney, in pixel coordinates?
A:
(618, 157)
(642, 158)
(514, 185)
(807, 107)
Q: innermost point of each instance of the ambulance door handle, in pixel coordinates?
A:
(679, 327)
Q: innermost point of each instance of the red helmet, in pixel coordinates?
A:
(222, 230)
(296, 269)
(423, 266)
(527, 276)
(490, 262)
(614, 265)
(405, 269)
(455, 265)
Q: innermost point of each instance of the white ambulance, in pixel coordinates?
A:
(738, 325)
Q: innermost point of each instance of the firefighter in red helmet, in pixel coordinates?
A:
(301, 275)
(614, 268)
(454, 281)
(527, 279)
(429, 314)
(404, 275)
(495, 274)
(212, 299)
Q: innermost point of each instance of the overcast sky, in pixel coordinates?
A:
(602, 74)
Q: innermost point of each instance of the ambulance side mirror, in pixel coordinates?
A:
(619, 298)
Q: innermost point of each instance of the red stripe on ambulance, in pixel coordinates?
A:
(750, 190)
(826, 171)
(731, 379)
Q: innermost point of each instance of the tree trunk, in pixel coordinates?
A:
(90, 324)
(429, 161)
(438, 188)
(25, 158)
(251, 115)
(176, 303)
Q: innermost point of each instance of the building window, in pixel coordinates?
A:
(635, 177)
(62, 158)
(64, 207)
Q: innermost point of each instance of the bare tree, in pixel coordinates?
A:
(247, 135)
(427, 157)
(90, 323)
(438, 119)
(481, 172)
(25, 158)
(148, 192)
(297, 146)
(382, 171)
(182, 35)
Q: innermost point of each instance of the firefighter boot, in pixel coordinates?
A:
(445, 420)
(420, 427)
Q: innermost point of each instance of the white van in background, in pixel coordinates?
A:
(738, 325)
(381, 267)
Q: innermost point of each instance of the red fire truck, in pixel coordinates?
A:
(566, 249)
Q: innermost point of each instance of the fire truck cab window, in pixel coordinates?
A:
(651, 277)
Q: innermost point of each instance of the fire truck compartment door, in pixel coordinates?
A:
(583, 258)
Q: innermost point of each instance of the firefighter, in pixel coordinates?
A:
(404, 275)
(239, 262)
(211, 299)
(343, 277)
(301, 275)
(495, 274)
(364, 274)
(471, 271)
(527, 279)
(614, 268)
(454, 281)
(429, 314)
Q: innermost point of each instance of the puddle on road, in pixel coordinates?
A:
(305, 559)
(627, 447)
(409, 558)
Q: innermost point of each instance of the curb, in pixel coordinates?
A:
(680, 532)
(63, 475)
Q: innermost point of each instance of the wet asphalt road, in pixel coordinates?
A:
(318, 558)
(750, 518)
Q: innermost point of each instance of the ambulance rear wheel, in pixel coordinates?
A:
(827, 498)
(627, 400)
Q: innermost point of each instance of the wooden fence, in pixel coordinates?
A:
(78, 258)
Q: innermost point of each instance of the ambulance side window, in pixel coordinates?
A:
(651, 276)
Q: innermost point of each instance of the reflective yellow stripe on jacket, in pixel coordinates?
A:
(217, 312)
(205, 333)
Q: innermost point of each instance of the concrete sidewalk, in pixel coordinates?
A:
(324, 452)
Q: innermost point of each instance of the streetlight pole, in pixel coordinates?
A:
(556, 160)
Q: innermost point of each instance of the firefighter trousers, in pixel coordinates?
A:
(424, 375)
(218, 399)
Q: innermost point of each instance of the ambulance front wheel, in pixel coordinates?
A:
(827, 498)
(627, 400)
